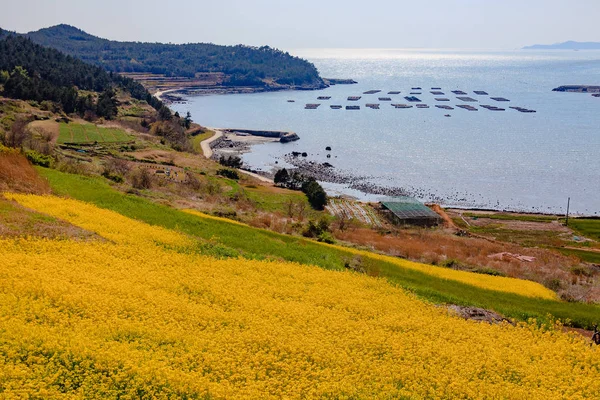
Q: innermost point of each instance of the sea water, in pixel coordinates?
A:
(484, 159)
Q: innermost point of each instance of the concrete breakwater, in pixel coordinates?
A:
(284, 137)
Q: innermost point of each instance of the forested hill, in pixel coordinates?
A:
(29, 71)
(244, 65)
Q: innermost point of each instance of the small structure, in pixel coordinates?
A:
(409, 211)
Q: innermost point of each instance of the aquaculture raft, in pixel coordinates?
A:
(492, 108)
(467, 99)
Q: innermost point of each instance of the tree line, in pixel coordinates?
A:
(29, 71)
(244, 65)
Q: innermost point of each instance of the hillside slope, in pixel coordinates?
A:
(143, 315)
(244, 65)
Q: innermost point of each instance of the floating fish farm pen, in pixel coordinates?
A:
(523, 110)
(467, 99)
(466, 107)
(409, 211)
(492, 108)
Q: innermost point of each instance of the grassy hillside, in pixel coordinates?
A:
(225, 239)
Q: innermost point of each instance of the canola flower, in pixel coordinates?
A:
(131, 318)
(497, 283)
(208, 216)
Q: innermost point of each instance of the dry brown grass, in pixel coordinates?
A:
(441, 247)
(17, 174)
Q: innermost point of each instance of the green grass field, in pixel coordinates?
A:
(89, 133)
(588, 227)
(196, 140)
(588, 256)
(513, 217)
(225, 239)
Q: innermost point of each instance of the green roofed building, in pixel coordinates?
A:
(409, 211)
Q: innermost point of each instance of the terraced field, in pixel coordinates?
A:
(90, 133)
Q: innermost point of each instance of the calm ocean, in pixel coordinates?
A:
(487, 159)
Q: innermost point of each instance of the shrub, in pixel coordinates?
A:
(228, 173)
(141, 179)
(42, 160)
(316, 194)
(231, 161)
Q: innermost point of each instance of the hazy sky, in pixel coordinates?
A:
(290, 24)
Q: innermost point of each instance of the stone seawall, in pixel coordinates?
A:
(284, 137)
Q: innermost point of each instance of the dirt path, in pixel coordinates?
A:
(205, 144)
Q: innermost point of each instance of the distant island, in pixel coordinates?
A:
(569, 45)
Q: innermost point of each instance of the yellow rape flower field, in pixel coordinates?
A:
(140, 315)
